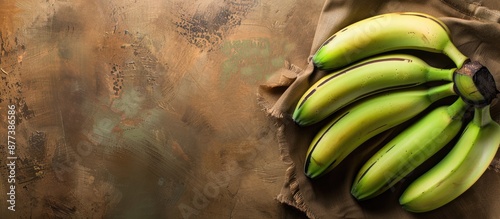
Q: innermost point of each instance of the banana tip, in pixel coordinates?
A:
(408, 205)
(357, 194)
(300, 122)
(409, 208)
(311, 169)
(310, 174)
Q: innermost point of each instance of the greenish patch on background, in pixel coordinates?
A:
(129, 103)
(102, 129)
(252, 60)
(143, 131)
(104, 126)
(153, 117)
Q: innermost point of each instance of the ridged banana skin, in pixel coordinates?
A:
(374, 75)
(386, 32)
(408, 150)
(364, 120)
(458, 170)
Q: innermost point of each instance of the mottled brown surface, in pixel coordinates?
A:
(148, 109)
(145, 109)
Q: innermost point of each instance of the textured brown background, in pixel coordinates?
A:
(146, 109)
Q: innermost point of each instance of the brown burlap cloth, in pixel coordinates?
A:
(475, 30)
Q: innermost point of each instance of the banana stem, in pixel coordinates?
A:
(457, 109)
(440, 92)
(455, 55)
(440, 74)
(482, 115)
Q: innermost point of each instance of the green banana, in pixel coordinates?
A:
(408, 150)
(386, 32)
(459, 169)
(381, 73)
(365, 119)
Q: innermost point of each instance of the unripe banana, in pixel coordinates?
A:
(365, 119)
(373, 75)
(459, 169)
(386, 32)
(408, 150)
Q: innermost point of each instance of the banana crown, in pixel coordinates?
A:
(475, 84)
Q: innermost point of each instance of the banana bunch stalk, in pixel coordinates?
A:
(372, 86)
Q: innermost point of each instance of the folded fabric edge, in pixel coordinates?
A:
(290, 193)
(290, 182)
(283, 78)
(293, 93)
(474, 10)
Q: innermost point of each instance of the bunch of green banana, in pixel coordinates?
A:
(373, 75)
(373, 86)
(355, 54)
(362, 121)
(408, 150)
(459, 169)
